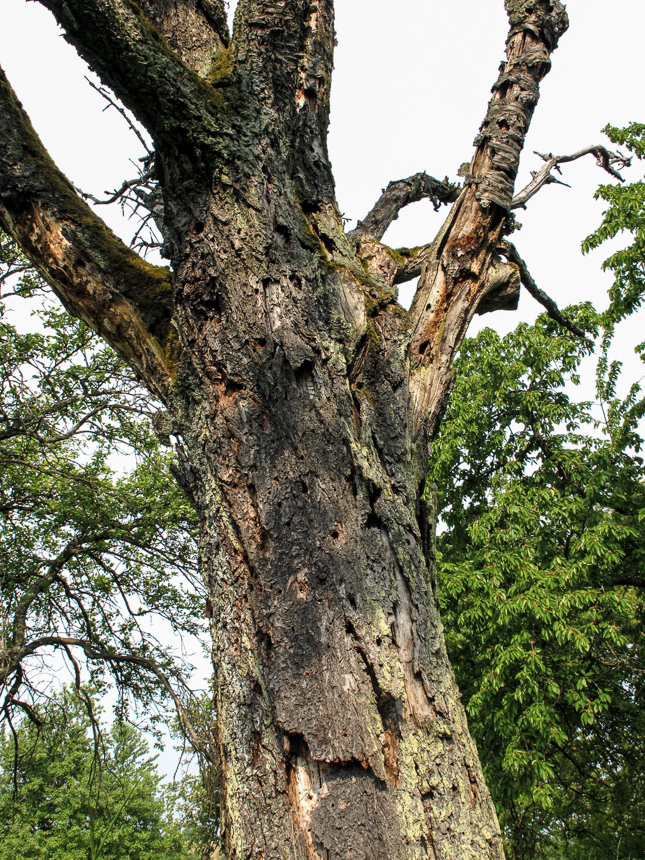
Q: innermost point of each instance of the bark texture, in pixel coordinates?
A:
(306, 399)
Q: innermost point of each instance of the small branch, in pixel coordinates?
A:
(104, 93)
(399, 194)
(512, 255)
(604, 158)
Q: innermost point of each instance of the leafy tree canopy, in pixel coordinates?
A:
(96, 546)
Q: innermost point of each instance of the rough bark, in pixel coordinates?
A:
(306, 399)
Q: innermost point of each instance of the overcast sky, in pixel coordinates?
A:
(411, 86)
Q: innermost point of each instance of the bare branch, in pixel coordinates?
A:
(510, 252)
(92, 652)
(399, 194)
(544, 176)
(105, 94)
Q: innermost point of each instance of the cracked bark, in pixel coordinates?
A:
(306, 400)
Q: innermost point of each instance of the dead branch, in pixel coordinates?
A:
(401, 193)
(510, 252)
(544, 176)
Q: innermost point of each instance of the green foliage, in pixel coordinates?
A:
(58, 802)
(541, 586)
(97, 540)
(626, 214)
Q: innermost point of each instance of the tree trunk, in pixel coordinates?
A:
(305, 399)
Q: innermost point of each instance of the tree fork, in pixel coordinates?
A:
(306, 399)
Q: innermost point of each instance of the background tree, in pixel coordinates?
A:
(94, 559)
(57, 800)
(307, 399)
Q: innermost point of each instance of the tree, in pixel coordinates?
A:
(542, 590)
(57, 800)
(93, 560)
(306, 398)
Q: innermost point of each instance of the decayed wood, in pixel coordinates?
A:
(305, 399)
(457, 280)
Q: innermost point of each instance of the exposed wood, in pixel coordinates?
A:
(455, 283)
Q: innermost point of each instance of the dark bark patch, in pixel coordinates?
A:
(355, 818)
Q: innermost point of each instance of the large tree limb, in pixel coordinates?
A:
(511, 253)
(454, 284)
(196, 29)
(544, 176)
(174, 104)
(98, 278)
(399, 194)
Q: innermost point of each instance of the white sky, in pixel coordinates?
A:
(411, 86)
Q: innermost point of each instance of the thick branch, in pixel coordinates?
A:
(512, 255)
(129, 55)
(196, 29)
(455, 282)
(284, 54)
(544, 176)
(98, 278)
(399, 194)
(535, 30)
(313, 91)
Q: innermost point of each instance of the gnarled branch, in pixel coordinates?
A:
(544, 176)
(399, 194)
(98, 278)
(510, 252)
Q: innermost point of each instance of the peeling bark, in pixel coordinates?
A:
(306, 399)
